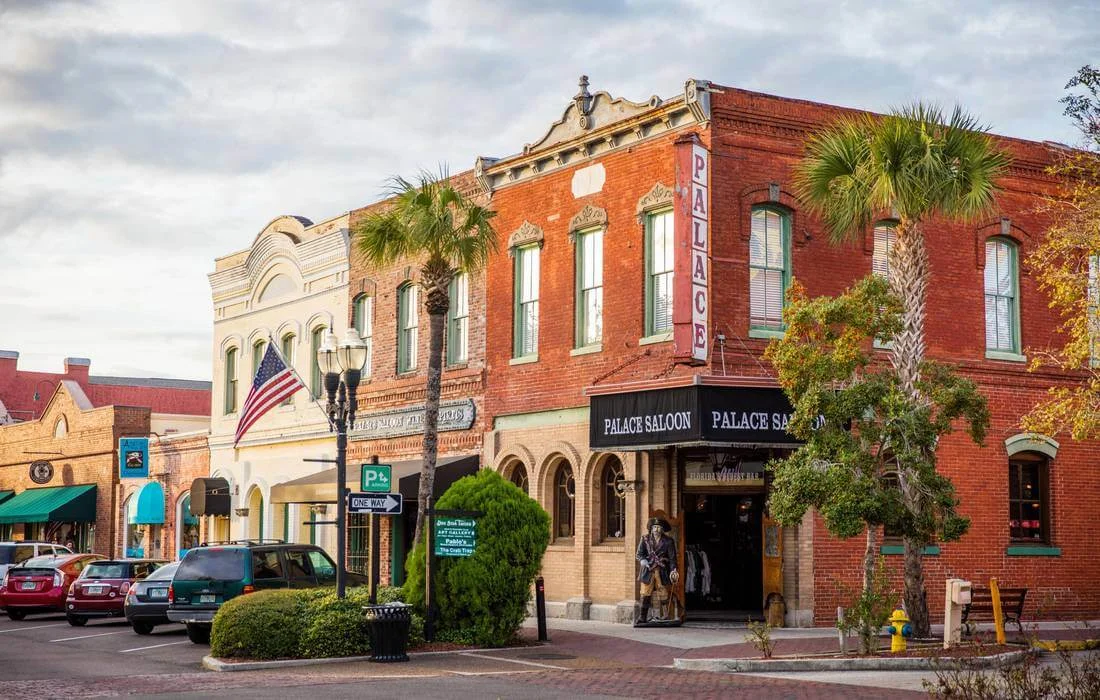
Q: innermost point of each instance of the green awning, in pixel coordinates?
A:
(150, 505)
(57, 504)
(5, 495)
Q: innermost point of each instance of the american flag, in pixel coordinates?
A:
(274, 383)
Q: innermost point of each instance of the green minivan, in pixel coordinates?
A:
(213, 573)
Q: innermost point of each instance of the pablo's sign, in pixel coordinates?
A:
(691, 263)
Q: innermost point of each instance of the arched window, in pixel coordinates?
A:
(362, 318)
(61, 428)
(614, 500)
(258, 349)
(1002, 311)
(316, 384)
(187, 527)
(408, 323)
(1028, 498)
(286, 347)
(518, 476)
(565, 491)
(256, 515)
(769, 268)
(230, 380)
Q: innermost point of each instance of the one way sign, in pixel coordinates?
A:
(377, 503)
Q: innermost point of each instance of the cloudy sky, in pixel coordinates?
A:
(139, 140)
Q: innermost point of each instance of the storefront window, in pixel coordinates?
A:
(564, 495)
(614, 500)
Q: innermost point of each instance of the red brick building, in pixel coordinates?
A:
(59, 462)
(645, 251)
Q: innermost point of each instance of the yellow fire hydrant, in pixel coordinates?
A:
(899, 629)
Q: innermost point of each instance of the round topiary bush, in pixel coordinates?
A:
(261, 625)
(484, 597)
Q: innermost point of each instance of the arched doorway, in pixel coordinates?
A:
(187, 527)
(255, 515)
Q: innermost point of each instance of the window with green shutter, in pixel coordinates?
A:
(286, 347)
(589, 301)
(526, 332)
(658, 283)
(458, 320)
(230, 380)
(407, 326)
(258, 355)
(316, 382)
(769, 268)
(1002, 313)
(362, 319)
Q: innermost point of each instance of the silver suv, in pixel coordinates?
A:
(15, 553)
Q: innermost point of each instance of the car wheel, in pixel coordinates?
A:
(142, 627)
(76, 621)
(15, 615)
(198, 634)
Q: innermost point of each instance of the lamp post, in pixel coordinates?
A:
(342, 365)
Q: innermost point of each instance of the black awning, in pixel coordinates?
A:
(446, 473)
(210, 496)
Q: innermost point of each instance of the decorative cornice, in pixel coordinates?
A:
(588, 217)
(526, 234)
(658, 197)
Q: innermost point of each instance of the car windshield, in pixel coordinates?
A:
(108, 570)
(164, 573)
(212, 565)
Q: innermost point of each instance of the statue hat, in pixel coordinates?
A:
(658, 521)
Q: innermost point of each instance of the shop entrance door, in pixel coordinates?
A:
(723, 577)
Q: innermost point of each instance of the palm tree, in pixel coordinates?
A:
(429, 220)
(912, 165)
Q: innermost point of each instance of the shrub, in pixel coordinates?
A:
(333, 627)
(261, 625)
(483, 597)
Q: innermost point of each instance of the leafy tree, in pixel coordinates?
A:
(913, 165)
(1066, 265)
(861, 429)
(482, 598)
(433, 221)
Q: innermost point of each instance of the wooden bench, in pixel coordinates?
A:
(981, 607)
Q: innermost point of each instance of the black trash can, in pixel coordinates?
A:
(388, 626)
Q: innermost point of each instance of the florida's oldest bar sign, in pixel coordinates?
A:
(691, 291)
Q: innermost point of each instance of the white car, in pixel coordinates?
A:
(15, 553)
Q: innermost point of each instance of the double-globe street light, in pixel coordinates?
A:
(342, 366)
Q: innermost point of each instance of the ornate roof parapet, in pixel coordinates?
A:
(592, 125)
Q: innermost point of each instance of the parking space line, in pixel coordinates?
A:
(517, 661)
(36, 627)
(89, 636)
(155, 646)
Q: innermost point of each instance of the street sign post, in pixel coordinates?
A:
(375, 478)
(376, 503)
(454, 537)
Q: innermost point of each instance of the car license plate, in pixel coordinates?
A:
(206, 598)
(158, 592)
(27, 586)
(93, 590)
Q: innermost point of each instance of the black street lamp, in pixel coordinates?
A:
(347, 357)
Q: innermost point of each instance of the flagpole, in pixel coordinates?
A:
(305, 384)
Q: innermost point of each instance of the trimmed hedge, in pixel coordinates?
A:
(483, 598)
(300, 624)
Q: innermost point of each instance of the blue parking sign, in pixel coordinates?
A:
(133, 458)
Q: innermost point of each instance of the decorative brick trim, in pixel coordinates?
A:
(587, 218)
(526, 234)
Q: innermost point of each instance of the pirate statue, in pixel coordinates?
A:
(657, 555)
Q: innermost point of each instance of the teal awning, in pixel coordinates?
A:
(150, 505)
(5, 495)
(56, 504)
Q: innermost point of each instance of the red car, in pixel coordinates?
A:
(101, 589)
(40, 584)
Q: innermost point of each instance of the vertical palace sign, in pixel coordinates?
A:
(691, 293)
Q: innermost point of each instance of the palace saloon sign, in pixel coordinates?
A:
(689, 415)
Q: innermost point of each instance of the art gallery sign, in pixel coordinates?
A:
(453, 415)
(696, 414)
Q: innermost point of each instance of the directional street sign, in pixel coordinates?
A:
(377, 503)
(375, 478)
(454, 537)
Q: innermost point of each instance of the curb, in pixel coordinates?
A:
(849, 664)
(212, 663)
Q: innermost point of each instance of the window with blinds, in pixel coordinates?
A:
(526, 301)
(1001, 313)
(768, 267)
(458, 320)
(589, 246)
(230, 380)
(408, 324)
(362, 319)
(885, 236)
(658, 291)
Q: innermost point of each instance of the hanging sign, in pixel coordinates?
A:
(691, 261)
(133, 458)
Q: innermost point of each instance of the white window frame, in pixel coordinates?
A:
(458, 320)
(588, 332)
(526, 304)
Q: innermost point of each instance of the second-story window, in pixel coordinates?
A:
(286, 347)
(362, 318)
(458, 320)
(231, 380)
(526, 332)
(658, 282)
(316, 381)
(1002, 333)
(258, 355)
(408, 323)
(589, 287)
(769, 270)
(886, 234)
